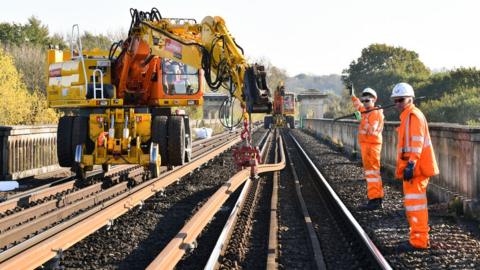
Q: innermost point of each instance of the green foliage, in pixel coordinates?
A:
(91, 41)
(381, 67)
(448, 82)
(32, 33)
(460, 106)
(338, 105)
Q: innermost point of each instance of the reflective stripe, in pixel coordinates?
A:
(417, 138)
(415, 196)
(416, 207)
(411, 150)
(427, 143)
(371, 180)
(367, 172)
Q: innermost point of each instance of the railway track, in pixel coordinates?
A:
(253, 235)
(342, 243)
(251, 240)
(186, 239)
(57, 210)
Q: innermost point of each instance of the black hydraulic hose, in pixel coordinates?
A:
(374, 109)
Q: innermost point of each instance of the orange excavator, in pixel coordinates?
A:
(121, 103)
(283, 110)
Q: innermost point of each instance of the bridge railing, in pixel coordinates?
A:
(457, 149)
(27, 151)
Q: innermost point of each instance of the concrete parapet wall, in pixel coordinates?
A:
(457, 149)
(27, 151)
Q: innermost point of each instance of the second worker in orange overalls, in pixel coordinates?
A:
(370, 139)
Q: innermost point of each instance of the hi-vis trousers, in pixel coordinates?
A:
(371, 166)
(415, 192)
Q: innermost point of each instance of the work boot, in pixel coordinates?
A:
(407, 247)
(372, 205)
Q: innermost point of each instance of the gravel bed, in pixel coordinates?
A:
(455, 241)
(294, 250)
(334, 239)
(137, 237)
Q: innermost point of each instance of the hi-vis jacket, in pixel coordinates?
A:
(371, 125)
(414, 144)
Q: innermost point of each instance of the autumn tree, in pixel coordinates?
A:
(17, 105)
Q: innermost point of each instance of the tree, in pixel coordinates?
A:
(449, 82)
(35, 32)
(91, 41)
(30, 61)
(381, 67)
(11, 33)
(17, 105)
(461, 106)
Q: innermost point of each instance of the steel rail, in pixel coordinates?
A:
(58, 186)
(272, 255)
(28, 256)
(45, 191)
(369, 246)
(312, 235)
(232, 218)
(187, 236)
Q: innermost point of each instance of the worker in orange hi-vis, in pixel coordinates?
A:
(370, 139)
(415, 164)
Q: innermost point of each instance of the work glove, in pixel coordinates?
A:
(358, 115)
(408, 171)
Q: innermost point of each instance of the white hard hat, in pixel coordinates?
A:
(402, 90)
(369, 91)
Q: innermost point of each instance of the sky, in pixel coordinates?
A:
(302, 36)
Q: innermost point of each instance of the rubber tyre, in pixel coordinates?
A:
(160, 136)
(176, 141)
(188, 140)
(64, 141)
(79, 132)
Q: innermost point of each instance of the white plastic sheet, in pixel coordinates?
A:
(203, 133)
(8, 185)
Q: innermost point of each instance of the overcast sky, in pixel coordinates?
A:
(318, 37)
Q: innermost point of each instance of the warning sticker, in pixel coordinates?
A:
(174, 47)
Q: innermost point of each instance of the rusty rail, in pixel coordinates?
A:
(232, 219)
(185, 239)
(39, 249)
(272, 257)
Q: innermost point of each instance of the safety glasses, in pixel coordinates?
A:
(399, 100)
(365, 100)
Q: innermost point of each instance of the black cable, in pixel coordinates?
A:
(114, 48)
(226, 111)
(223, 74)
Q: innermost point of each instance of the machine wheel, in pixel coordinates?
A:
(79, 132)
(267, 121)
(64, 141)
(188, 140)
(176, 141)
(291, 122)
(159, 135)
